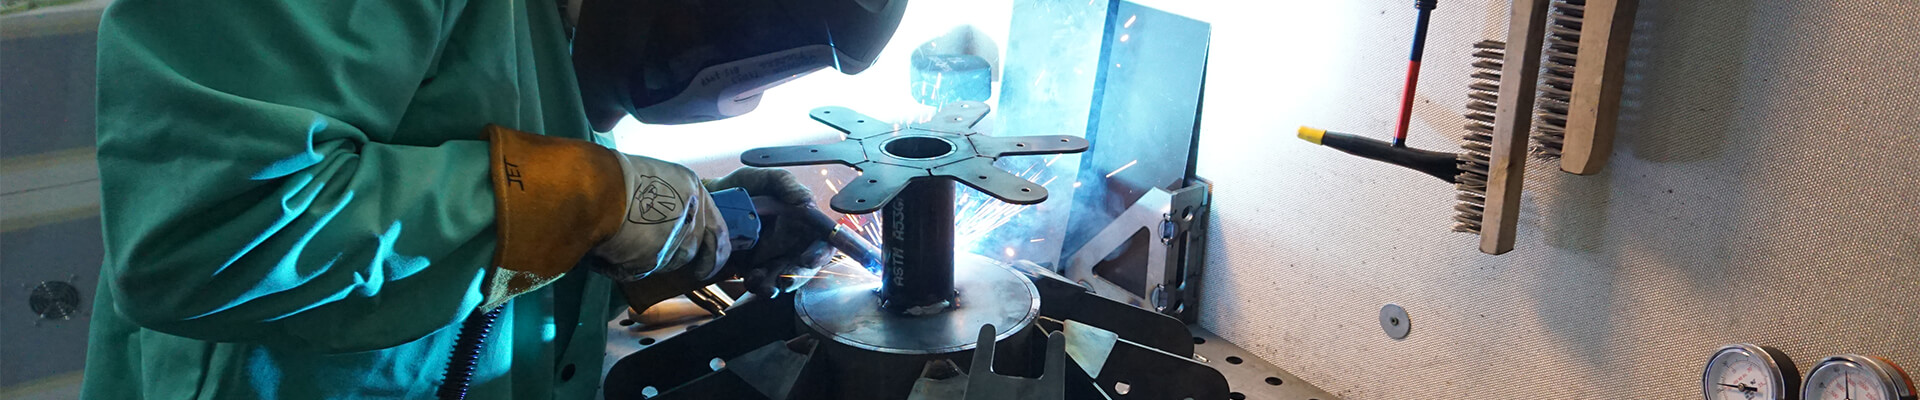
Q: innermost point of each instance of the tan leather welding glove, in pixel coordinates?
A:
(558, 200)
(671, 223)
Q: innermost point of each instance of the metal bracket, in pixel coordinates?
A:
(1151, 255)
(1248, 376)
(891, 156)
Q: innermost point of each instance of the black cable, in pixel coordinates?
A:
(466, 354)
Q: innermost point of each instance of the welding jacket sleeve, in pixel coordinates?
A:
(269, 177)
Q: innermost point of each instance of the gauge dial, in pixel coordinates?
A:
(1749, 372)
(1857, 377)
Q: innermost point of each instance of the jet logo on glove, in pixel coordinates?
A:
(654, 201)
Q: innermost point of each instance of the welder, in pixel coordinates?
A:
(316, 199)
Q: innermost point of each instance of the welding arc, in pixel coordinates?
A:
(1413, 69)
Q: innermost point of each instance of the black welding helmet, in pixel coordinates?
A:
(687, 61)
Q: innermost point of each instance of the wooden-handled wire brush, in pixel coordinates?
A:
(1491, 165)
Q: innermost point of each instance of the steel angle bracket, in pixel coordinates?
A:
(683, 360)
(775, 371)
(1164, 231)
(1124, 369)
(890, 156)
(1064, 300)
(942, 379)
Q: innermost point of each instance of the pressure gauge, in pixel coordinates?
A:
(1857, 377)
(1750, 372)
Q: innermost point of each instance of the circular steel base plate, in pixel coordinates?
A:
(845, 308)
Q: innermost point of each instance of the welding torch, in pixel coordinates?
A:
(744, 215)
(838, 236)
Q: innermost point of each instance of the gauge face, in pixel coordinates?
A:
(1855, 377)
(1748, 372)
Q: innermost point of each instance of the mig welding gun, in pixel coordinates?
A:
(745, 215)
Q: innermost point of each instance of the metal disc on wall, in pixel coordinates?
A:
(1393, 319)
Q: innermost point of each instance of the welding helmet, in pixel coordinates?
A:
(687, 61)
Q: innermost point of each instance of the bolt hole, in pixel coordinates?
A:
(813, 150)
(1064, 140)
(1199, 340)
(1394, 321)
(1122, 388)
(1236, 396)
(718, 364)
(860, 121)
(873, 181)
(1019, 145)
(646, 341)
(1274, 380)
(826, 112)
(983, 177)
(1026, 189)
(860, 201)
(1234, 360)
(626, 322)
(765, 156)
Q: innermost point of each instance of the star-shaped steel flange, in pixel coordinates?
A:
(891, 156)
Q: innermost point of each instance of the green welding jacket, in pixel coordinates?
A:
(296, 200)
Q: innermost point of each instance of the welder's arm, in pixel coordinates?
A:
(243, 197)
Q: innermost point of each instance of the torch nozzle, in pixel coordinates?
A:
(841, 238)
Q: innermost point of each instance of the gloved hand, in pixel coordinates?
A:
(670, 223)
(559, 200)
(790, 244)
(789, 247)
(777, 183)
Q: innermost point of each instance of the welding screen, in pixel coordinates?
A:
(1145, 117)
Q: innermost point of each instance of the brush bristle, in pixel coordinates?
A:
(1477, 144)
(1556, 78)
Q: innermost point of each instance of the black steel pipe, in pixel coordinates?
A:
(918, 230)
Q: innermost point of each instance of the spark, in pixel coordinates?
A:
(830, 186)
(1037, 240)
(1124, 37)
(1010, 252)
(1076, 184)
(823, 172)
(1130, 20)
(1050, 160)
(1122, 168)
(979, 215)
